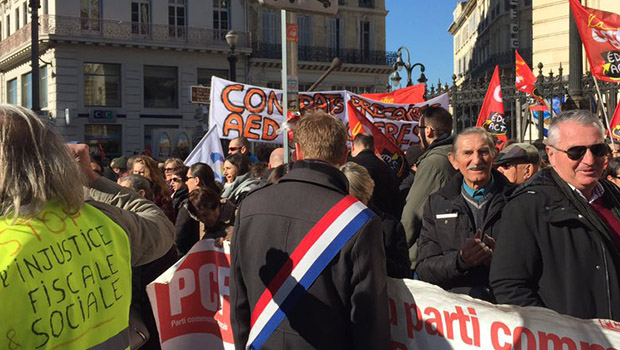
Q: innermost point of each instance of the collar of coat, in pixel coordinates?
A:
(318, 173)
(454, 185)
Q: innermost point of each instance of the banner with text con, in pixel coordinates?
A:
(397, 121)
(256, 112)
(191, 305)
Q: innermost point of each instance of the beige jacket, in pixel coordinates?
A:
(151, 234)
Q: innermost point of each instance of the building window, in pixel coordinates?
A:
(102, 84)
(11, 91)
(43, 87)
(27, 90)
(336, 33)
(161, 87)
(176, 18)
(221, 15)
(271, 27)
(44, 7)
(205, 74)
(90, 14)
(141, 17)
(304, 25)
(341, 2)
(366, 3)
(17, 26)
(365, 38)
(25, 12)
(8, 25)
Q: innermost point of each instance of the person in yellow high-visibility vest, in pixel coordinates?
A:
(65, 262)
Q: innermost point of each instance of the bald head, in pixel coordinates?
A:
(276, 158)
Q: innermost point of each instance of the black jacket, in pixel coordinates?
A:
(346, 307)
(385, 195)
(441, 237)
(396, 253)
(550, 254)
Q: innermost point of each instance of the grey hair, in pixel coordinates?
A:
(361, 184)
(579, 116)
(35, 166)
(475, 130)
(139, 182)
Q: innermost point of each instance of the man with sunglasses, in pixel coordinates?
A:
(242, 145)
(560, 233)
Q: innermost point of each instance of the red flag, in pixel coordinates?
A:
(600, 34)
(614, 124)
(408, 95)
(491, 116)
(384, 148)
(524, 78)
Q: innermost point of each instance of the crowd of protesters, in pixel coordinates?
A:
(530, 224)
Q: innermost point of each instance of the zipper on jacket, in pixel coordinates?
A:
(607, 281)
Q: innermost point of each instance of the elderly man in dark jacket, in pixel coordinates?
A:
(459, 223)
(346, 307)
(560, 232)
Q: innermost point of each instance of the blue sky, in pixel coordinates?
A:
(422, 27)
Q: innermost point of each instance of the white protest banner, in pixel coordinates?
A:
(191, 300)
(424, 316)
(245, 110)
(191, 306)
(332, 102)
(397, 121)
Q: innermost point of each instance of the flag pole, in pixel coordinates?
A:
(600, 97)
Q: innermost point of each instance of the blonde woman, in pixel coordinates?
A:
(147, 167)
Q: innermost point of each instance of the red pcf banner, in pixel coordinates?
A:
(191, 300)
(600, 34)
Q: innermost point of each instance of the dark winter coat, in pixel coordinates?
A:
(442, 237)
(346, 307)
(550, 254)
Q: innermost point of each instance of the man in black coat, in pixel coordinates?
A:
(459, 222)
(346, 307)
(560, 232)
(385, 196)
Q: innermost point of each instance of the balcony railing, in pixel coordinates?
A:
(326, 54)
(76, 28)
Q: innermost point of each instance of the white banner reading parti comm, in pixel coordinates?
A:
(191, 306)
(255, 112)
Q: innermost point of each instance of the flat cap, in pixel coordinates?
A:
(518, 153)
(120, 162)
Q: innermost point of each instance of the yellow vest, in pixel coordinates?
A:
(65, 281)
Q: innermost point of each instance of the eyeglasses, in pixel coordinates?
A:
(168, 170)
(577, 152)
(190, 177)
(233, 149)
(176, 179)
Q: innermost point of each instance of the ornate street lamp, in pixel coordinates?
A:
(400, 64)
(231, 39)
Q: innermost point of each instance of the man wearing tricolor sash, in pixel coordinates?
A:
(308, 265)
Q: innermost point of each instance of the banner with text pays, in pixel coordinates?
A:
(408, 95)
(397, 121)
(600, 34)
(491, 116)
(191, 300)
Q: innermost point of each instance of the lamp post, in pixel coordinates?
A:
(231, 39)
(400, 63)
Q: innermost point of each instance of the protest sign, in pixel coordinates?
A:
(397, 121)
(332, 102)
(191, 300)
(191, 305)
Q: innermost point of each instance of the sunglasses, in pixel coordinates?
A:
(234, 148)
(577, 152)
(176, 179)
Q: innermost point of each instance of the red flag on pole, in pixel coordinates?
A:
(600, 34)
(411, 94)
(614, 124)
(384, 148)
(491, 116)
(524, 78)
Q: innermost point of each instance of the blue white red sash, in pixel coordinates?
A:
(306, 263)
